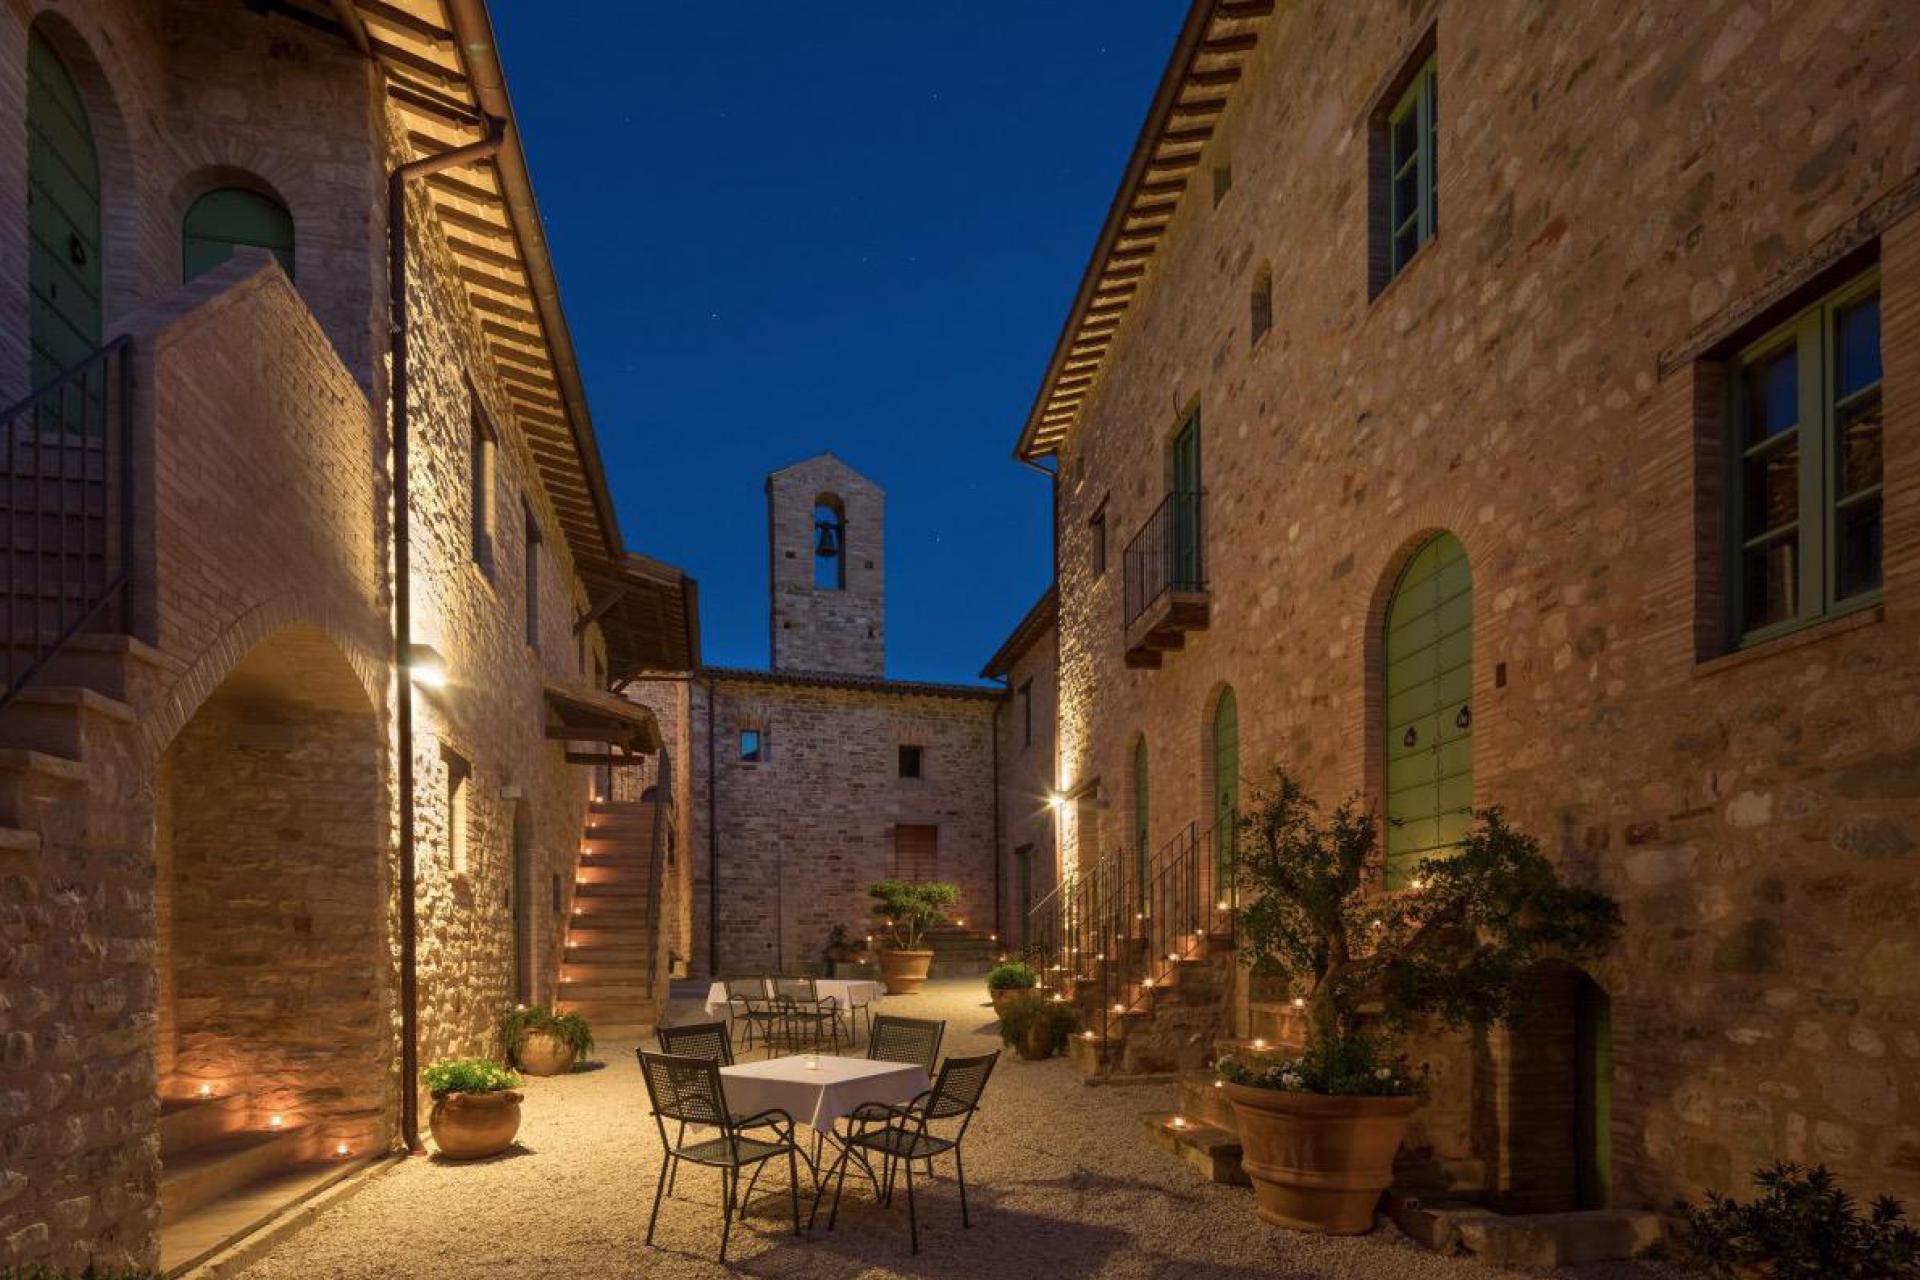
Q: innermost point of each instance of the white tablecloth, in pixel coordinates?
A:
(819, 1095)
(848, 991)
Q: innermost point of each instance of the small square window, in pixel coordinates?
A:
(910, 761)
(753, 746)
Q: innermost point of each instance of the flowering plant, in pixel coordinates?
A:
(1357, 1068)
(469, 1075)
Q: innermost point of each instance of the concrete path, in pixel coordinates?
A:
(1062, 1180)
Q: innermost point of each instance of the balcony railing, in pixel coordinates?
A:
(1167, 557)
(66, 516)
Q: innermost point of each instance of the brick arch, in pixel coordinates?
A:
(96, 66)
(190, 691)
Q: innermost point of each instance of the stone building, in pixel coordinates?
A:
(1024, 767)
(813, 779)
(1474, 404)
(253, 870)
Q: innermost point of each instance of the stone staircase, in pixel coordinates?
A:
(959, 952)
(1148, 1015)
(609, 975)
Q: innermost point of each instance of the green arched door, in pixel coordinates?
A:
(63, 218)
(1140, 816)
(1429, 706)
(1226, 792)
(229, 218)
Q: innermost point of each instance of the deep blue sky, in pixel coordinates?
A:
(835, 224)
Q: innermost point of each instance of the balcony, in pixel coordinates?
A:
(1165, 572)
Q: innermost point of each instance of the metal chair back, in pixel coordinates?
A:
(915, 1040)
(683, 1089)
(745, 990)
(958, 1088)
(795, 991)
(699, 1040)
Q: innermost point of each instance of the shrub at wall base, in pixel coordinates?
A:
(1366, 962)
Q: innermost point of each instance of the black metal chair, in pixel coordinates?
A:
(801, 1008)
(850, 1015)
(917, 1040)
(907, 1136)
(688, 1090)
(699, 1040)
(749, 1003)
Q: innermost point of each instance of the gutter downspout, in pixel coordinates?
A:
(397, 182)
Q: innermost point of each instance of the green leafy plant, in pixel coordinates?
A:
(908, 909)
(569, 1029)
(840, 944)
(469, 1075)
(1802, 1226)
(1052, 1020)
(1012, 976)
(1456, 943)
(1360, 1067)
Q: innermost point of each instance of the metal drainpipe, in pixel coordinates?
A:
(397, 182)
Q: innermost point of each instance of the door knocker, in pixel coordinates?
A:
(1465, 718)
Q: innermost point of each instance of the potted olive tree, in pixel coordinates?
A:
(544, 1043)
(476, 1111)
(1011, 982)
(1366, 964)
(907, 911)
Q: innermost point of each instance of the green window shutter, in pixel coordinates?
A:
(1226, 792)
(1413, 196)
(229, 218)
(1429, 706)
(63, 197)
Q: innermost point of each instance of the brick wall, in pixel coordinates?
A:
(1026, 780)
(1615, 180)
(826, 628)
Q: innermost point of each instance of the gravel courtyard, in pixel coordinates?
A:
(1061, 1179)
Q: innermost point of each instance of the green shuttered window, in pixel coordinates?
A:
(1413, 201)
(233, 217)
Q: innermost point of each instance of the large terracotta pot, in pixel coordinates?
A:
(472, 1126)
(905, 972)
(544, 1054)
(1318, 1163)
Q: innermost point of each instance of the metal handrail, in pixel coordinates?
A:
(1167, 554)
(68, 501)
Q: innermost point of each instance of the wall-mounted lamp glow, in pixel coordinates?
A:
(1056, 800)
(426, 667)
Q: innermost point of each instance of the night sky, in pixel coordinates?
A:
(788, 227)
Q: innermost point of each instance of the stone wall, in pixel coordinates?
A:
(805, 831)
(1616, 181)
(826, 628)
(1026, 782)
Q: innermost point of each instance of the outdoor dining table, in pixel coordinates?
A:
(819, 1094)
(848, 991)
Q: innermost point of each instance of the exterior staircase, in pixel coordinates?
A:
(959, 952)
(610, 974)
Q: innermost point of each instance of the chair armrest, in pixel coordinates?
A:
(772, 1115)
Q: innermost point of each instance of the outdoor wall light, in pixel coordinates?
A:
(1056, 801)
(206, 1091)
(1259, 1043)
(343, 1151)
(276, 1121)
(426, 667)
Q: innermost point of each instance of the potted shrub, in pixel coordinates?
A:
(1802, 1226)
(1009, 982)
(476, 1111)
(908, 911)
(1037, 1028)
(841, 951)
(544, 1043)
(1366, 964)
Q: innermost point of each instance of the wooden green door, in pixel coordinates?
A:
(1593, 1096)
(63, 218)
(1226, 793)
(1186, 506)
(1429, 707)
(1140, 817)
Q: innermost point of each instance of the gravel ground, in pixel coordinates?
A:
(1062, 1180)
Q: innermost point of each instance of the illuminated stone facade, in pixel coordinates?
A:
(1628, 194)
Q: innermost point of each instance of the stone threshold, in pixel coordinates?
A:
(254, 1237)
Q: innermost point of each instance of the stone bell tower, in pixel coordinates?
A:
(826, 537)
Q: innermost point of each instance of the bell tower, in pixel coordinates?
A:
(826, 529)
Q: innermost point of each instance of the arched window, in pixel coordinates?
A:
(829, 544)
(63, 212)
(1226, 792)
(228, 218)
(1429, 706)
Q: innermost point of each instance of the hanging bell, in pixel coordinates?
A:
(826, 542)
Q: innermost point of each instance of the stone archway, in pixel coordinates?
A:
(274, 1039)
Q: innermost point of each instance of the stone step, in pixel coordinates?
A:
(189, 1239)
(204, 1173)
(620, 953)
(57, 719)
(32, 781)
(1202, 1099)
(613, 935)
(613, 1017)
(1527, 1239)
(608, 986)
(621, 859)
(106, 662)
(191, 1121)
(622, 887)
(18, 842)
(608, 909)
(1212, 1152)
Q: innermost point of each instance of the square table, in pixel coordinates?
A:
(821, 1094)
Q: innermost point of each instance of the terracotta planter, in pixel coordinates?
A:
(1318, 1163)
(544, 1054)
(905, 972)
(1009, 995)
(472, 1126)
(1037, 1043)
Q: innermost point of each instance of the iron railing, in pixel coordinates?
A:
(67, 513)
(1168, 554)
(1111, 934)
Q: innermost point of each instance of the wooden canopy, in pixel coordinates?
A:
(576, 713)
(1214, 47)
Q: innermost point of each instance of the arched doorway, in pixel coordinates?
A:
(1558, 1095)
(1226, 793)
(273, 883)
(64, 278)
(1428, 700)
